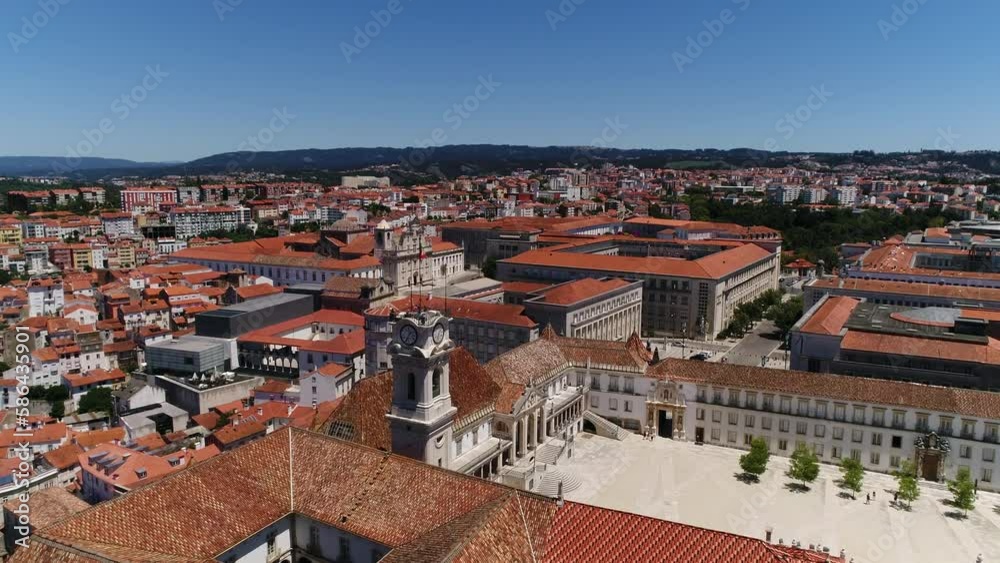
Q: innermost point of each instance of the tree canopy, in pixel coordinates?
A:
(963, 491)
(804, 466)
(852, 475)
(754, 462)
(97, 399)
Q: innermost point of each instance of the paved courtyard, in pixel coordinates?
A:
(696, 485)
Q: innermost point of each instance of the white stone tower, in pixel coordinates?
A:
(422, 415)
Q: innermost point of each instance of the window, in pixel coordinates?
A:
(801, 428)
(857, 436)
(747, 439)
(595, 401)
(731, 436)
(751, 400)
(818, 450)
(629, 385)
(968, 428)
(272, 543)
(699, 414)
(859, 415)
(964, 452)
(987, 475)
(838, 433)
(716, 433)
(876, 438)
(783, 425)
(786, 405)
(345, 549)
(765, 422)
(717, 396)
(819, 430)
(898, 419)
(894, 461)
(835, 452)
(628, 406)
(944, 426)
(716, 416)
(613, 384)
(874, 458)
(838, 412)
(613, 404)
(856, 455)
(411, 387)
(748, 421)
(820, 409)
(878, 417)
(923, 422)
(734, 418)
(803, 407)
(989, 454)
(436, 383)
(783, 445)
(768, 402)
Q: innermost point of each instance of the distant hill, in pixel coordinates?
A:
(419, 164)
(56, 165)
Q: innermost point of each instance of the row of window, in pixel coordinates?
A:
(859, 413)
(595, 402)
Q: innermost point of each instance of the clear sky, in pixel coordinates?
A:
(924, 79)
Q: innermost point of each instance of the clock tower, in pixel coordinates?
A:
(422, 415)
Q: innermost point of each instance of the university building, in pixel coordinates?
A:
(689, 288)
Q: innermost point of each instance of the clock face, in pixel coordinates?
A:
(408, 335)
(438, 333)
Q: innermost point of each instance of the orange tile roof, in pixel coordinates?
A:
(579, 290)
(830, 318)
(467, 309)
(88, 440)
(419, 512)
(95, 376)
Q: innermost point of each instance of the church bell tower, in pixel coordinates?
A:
(422, 415)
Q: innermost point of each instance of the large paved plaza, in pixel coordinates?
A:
(696, 485)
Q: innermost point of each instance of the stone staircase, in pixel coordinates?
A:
(548, 485)
(605, 427)
(550, 452)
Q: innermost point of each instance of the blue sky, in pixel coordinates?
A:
(557, 78)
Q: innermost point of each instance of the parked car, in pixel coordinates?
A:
(700, 356)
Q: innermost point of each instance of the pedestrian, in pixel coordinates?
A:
(895, 496)
(868, 498)
(873, 495)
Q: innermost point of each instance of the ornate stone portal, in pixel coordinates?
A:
(931, 450)
(665, 409)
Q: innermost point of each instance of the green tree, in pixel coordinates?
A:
(963, 491)
(786, 314)
(907, 488)
(58, 410)
(804, 466)
(852, 475)
(754, 462)
(97, 399)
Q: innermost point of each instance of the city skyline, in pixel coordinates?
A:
(203, 78)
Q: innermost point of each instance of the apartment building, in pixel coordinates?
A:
(193, 221)
(139, 199)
